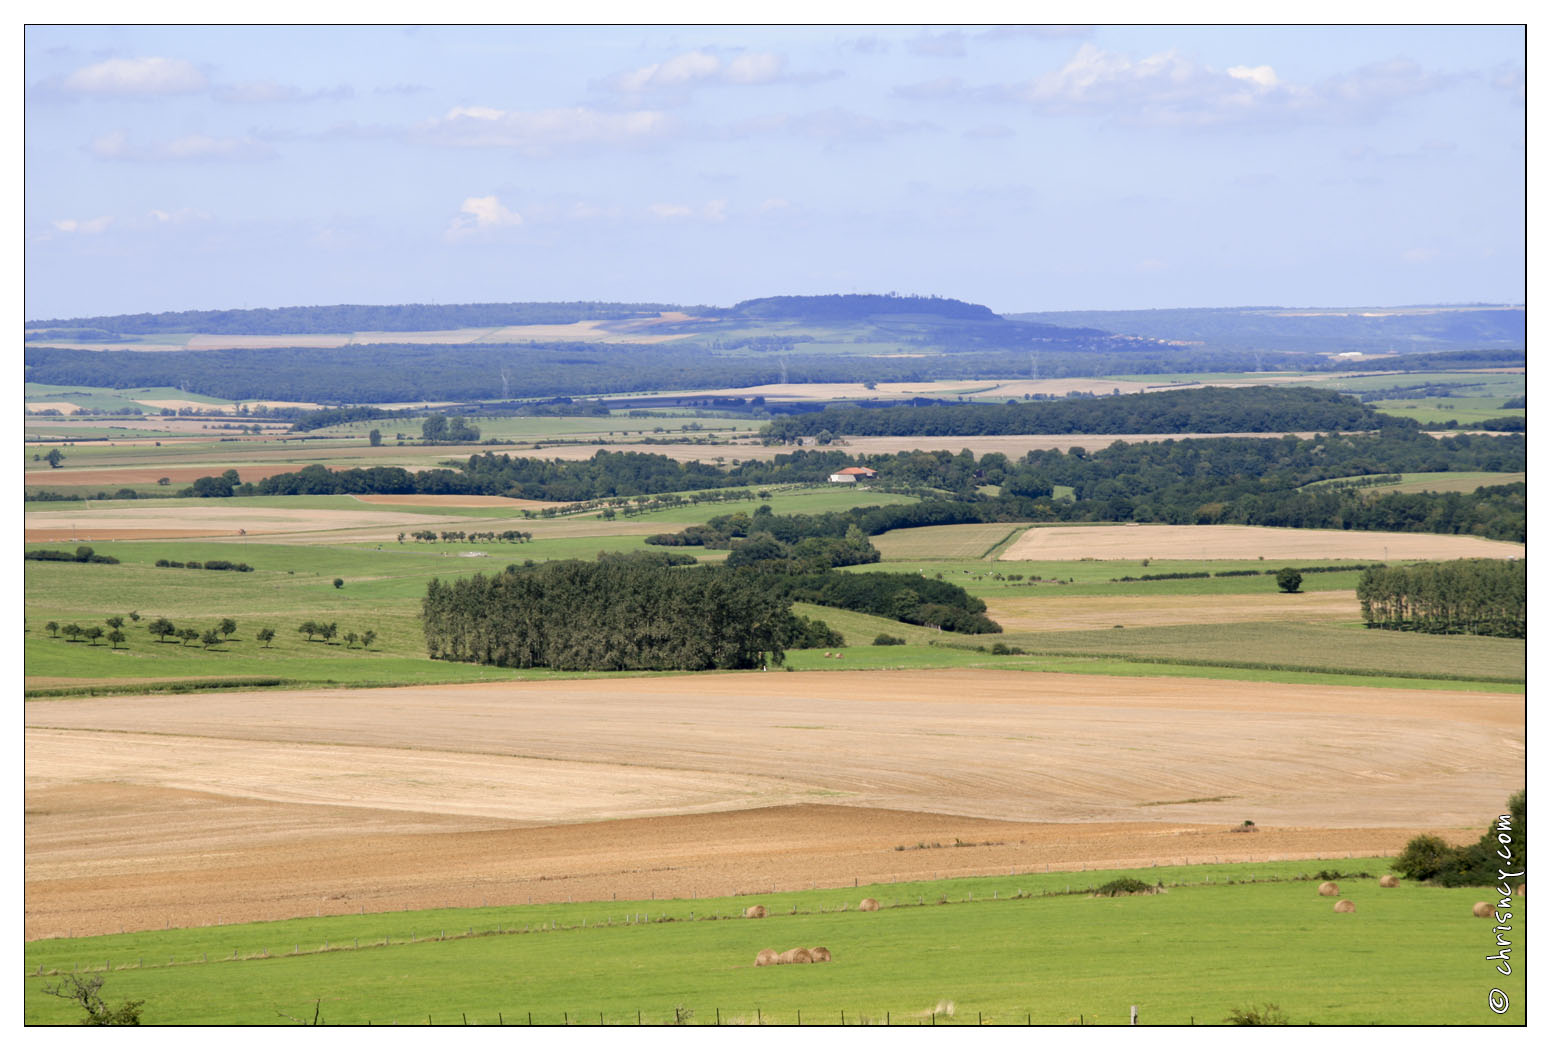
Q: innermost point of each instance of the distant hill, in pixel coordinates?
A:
(841, 308)
(1368, 330)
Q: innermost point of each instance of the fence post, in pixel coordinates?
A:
(1133, 1014)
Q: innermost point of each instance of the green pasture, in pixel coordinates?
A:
(1004, 950)
(108, 399)
(1495, 385)
(1436, 412)
(1450, 481)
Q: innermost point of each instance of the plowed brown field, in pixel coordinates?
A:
(143, 811)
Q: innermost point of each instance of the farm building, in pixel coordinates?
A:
(853, 474)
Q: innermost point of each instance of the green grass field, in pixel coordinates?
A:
(1006, 950)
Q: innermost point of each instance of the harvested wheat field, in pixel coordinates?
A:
(1064, 543)
(117, 522)
(149, 810)
(1053, 611)
(434, 500)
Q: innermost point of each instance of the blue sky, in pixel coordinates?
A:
(1027, 169)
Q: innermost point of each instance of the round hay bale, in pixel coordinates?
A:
(1481, 908)
(1389, 881)
(797, 955)
(754, 912)
(1329, 890)
(819, 954)
(767, 958)
(1345, 906)
(868, 905)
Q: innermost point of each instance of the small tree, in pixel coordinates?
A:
(161, 627)
(55, 457)
(93, 633)
(72, 631)
(366, 639)
(188, 635)
(52, 627)
(134, 615)
(309, 628)
(339, 582)
(228, 625)
(88, 993)
(265, 635)
(114, 622)
(211, 637)
(328, 631)
(115, 637)
(375, 437)
(350, 640)
(1289, 580)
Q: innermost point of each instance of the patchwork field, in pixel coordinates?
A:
(291, 802)
(1056, 543)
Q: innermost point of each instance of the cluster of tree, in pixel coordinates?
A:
(74, 632)
(1274, 410)
(609, 615)
(328, 630)
(81, 554)
(454, 429)
(847, 308)
(317, 419)
(809, 555)
(1502, 423)
(1477, 596)
(899, 596)
(214, 563)
(162, 628)
(449, 536)
(1496, 859)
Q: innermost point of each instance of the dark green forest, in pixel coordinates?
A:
(1274, 410)
(611, 615)
(1475, 596)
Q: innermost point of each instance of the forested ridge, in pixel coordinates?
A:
(1274, 410)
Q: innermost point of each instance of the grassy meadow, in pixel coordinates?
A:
(1007, 950)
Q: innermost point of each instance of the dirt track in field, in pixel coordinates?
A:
(1056, 612)
(1066, 543)
(143, 811)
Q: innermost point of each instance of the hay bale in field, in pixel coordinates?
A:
(797, 955)
(819, 954)
(754, 912)
(1389, 881)
(1345, 906)
(767, 958)
(1481, 908)
(868, 905)
(1329, 890)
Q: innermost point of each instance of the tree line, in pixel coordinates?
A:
(1477, 596)
(1274, 410)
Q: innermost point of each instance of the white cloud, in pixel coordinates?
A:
(116, 146)
(267, 91)
(692, 68)
(540, 131)
(83, 226)
(137, 76)
(671, 211)
(481, 215)
(1263, 76)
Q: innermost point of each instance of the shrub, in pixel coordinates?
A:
(1125, 885)
(1423, 858)
(1265, 1014)
(1289, 580)
(339, 582)
(886, 639)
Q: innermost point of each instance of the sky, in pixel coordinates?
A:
(1026, 168)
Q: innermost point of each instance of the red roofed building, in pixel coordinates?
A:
(853, 474)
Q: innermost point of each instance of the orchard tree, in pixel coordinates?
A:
(52, 627)
(328, 631)
(161, 627)
(228, 625)
(115, 637)
(350, 640)
(310, 628)
(72, 631)
(188, 635)
(114, 622)
(93, 633)
(265, 635)
(211, 637)
(367, 639)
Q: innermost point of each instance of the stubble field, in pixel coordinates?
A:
(183, 810)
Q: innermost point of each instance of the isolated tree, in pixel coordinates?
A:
(1289, 580)
(211, 637)
(401, 538)
(227, 626)
(366, 639)
(52, 627)
(265, 635)
(375, 437)
(55, 457)
(115, 637)
(88, 993)
(339, 582)
(164, 481)
(161, 627)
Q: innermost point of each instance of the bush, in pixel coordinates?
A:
(1266, 1014)
(886, 639)
(1423, 858)
(1289, 580)
(1125, 885)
